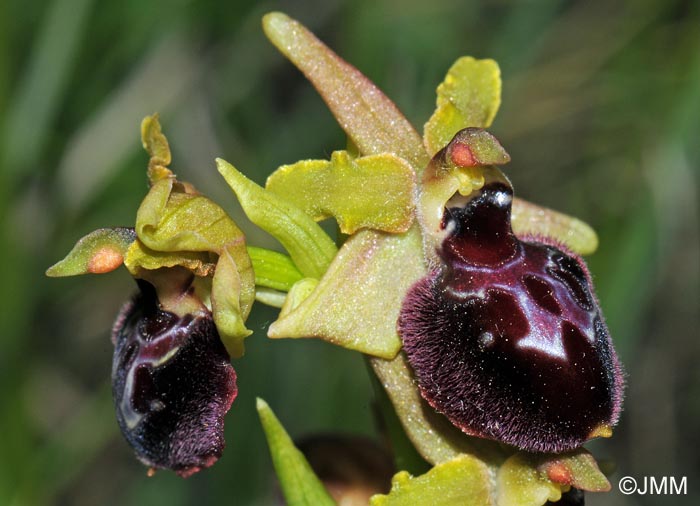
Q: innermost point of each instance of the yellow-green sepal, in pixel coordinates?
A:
(357, 302)
(469, 96)
(531, 220)
(98, 252)
(375, 191)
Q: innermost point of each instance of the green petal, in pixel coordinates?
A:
(464, 480)
(272, 269)
(368, 192)
(309, 246)
(299, 483)
(227, 299)
(357, 301)
(468, 97)
(156, 145)
(371, 120)
(533, 220)
(98, 252)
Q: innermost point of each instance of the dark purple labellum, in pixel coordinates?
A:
(506, 337)
(172, 384)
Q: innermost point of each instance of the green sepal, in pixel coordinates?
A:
(273, 269)
(370, 119)
(300, 485)
(469, 96)
(531, 220)
(357, 301)
(463, 480)
(309, 246)
(374, 191)
(98, 252)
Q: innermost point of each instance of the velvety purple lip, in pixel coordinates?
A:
(506, 337)
(172, 384)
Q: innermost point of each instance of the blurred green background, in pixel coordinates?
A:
(600, 113)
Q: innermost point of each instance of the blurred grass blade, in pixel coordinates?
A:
(300, 485)
(38, 97)
(369, 118)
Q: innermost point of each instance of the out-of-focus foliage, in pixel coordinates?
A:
(600, 114)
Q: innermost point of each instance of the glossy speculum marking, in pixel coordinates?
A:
(506, 337)
(172, 384)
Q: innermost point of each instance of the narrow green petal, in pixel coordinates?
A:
(309, 246)
(226, 299)
(370, 119)
(520, 483)
(468, 97)
(156, 145)
(299, 483)
(98, 252)
(464, 481)
(536, 221)
(272, 269)
(357, 302)
(368, 192)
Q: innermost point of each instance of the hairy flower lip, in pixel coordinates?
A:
(506, 337)
(172, 384)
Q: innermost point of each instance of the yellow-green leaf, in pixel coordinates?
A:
(463, 481)
(468, 97)
(299, 483)
(532, 220)
(370, 119)
(98, 252)
(309, 246)
(368, 192)
(357, 301)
